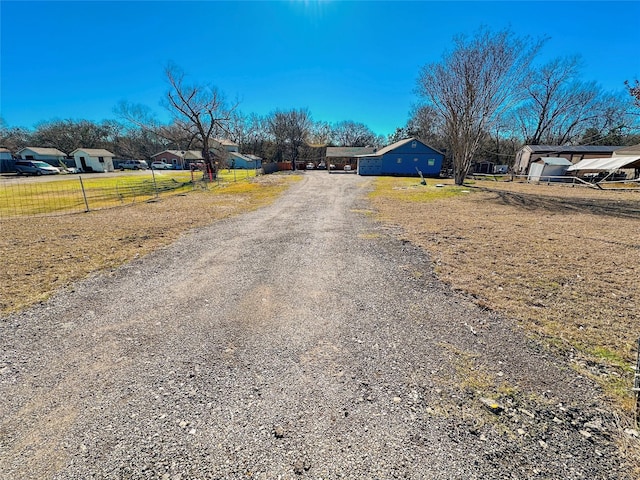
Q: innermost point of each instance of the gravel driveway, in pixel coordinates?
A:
(303, 340)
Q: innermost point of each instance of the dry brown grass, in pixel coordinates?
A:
(43, 254)
(563, 261)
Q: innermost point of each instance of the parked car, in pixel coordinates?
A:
(35, 167)
(197, 166)
(322, 166)
(310, 166)
(160, 165)
(134, 165)
(347, 168)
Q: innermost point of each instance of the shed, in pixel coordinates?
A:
(407, 157)
(93, 159)
(7, 164)
(52, 156)
(544, 168)
(238, 160)
(241, 160)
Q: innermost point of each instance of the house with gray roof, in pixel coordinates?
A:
(408, 157)
(180, 159)
(52, 156)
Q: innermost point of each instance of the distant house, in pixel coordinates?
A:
(543, 169)
(180, 159)
(573, 153)
(93, 159)
(52, 156)
(342, 156)
(405, 158)
(238, 160)
(223, 144)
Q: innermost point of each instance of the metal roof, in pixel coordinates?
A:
(573, 148)
(393, 146)
(44, 151)
(348, 151)
(241, 156)
(631, 150)
(553, 161)
(606, 164)
(94, 152)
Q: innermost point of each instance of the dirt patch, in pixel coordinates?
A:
(43, 254)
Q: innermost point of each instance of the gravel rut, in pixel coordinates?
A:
(303, 340)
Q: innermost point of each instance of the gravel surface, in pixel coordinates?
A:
(302, 340)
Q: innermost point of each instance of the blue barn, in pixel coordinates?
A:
(403, 158)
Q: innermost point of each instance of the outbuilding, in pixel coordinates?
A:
(52, 156)
(547, 169)
(93, 159)
(239, 160)
(7, 164)
(408, 157)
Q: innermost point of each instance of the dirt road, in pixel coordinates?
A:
(301, 340)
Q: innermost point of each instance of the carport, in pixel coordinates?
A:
(608, 166)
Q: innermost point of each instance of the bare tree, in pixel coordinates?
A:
(634, 91)
(353, 134)
(290, 130)
(558, 106)
(13, 138)
(199, 115)
(473, 86)
(321, 134)
(200, 110)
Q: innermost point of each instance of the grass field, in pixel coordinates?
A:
(564, 261)
(81, 193)
(43, 254)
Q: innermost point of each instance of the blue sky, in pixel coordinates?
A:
(355, 60)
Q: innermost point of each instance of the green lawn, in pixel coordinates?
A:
(66, 195)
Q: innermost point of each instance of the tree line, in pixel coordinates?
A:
(481, 101)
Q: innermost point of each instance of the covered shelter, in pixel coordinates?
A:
(604, 168)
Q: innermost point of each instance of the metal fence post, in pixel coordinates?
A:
(84, 195)
(636, 386)
(155, 185)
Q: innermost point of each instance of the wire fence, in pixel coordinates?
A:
(590, 182)
(60, 195)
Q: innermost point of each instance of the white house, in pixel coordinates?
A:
(93, 159)
(52, 156)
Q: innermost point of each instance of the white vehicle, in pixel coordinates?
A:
(134, 165)
(347, 168)
(160, 165)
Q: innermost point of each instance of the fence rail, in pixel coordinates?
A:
(23, 197)
(633, 184)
